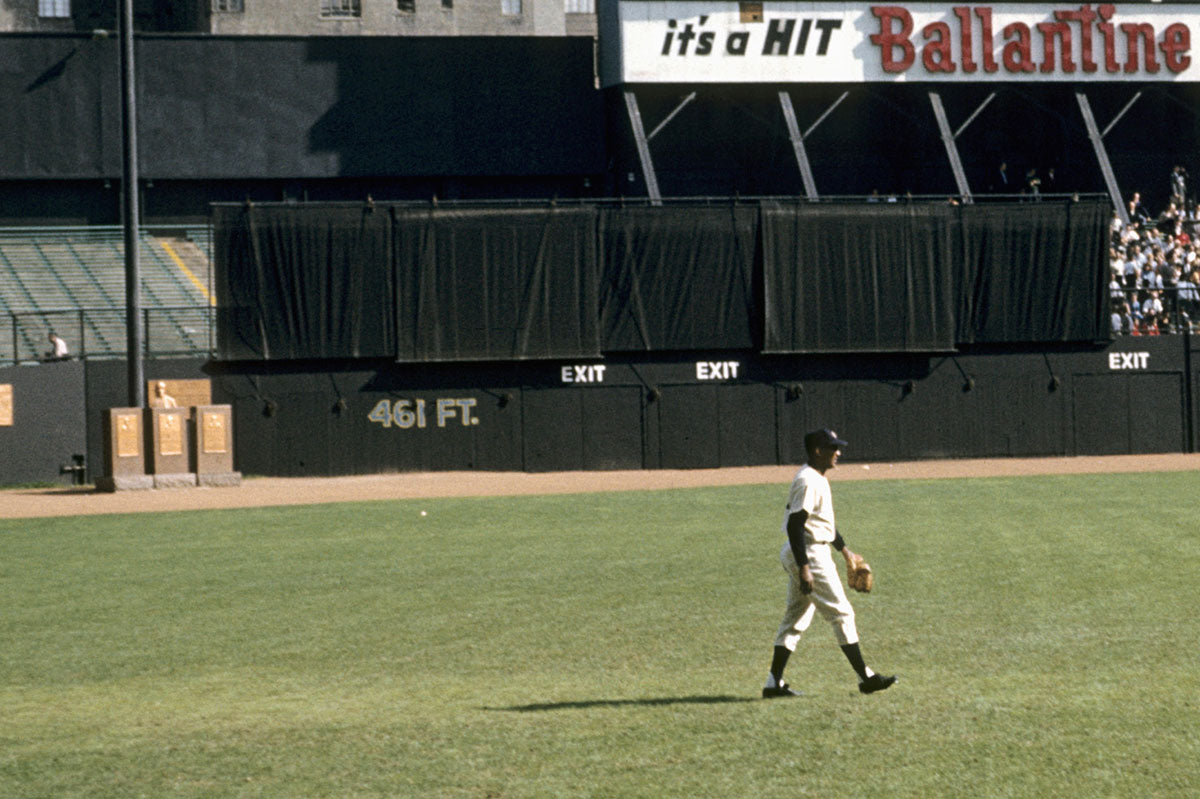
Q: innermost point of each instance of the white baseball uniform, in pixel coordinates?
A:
(810, 492)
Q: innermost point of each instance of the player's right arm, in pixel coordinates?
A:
(795, 534)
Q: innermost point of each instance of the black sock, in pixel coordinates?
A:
(854, 655)
(778, 661)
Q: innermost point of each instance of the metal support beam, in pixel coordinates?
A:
(806, 175)
(1120, 114)
(1110, 178)
(825, 113)
(960, 175)
(789, 116)
(643, 148)
(974, 114)
(671, 116)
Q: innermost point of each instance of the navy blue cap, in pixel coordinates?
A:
(824, 439)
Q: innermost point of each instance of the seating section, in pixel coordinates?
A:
(71, 281)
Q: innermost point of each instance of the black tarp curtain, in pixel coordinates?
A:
(553, 282)
(496, 284)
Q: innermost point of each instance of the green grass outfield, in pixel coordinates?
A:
(1045, 631)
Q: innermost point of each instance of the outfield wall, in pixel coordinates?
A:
(43, 420)
(733, 409)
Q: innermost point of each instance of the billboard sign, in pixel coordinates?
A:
(647, 41)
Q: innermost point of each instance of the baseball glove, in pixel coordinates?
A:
(859, 576)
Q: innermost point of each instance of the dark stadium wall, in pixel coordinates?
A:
(323, 118)
(48, 422)
(683, 412)
(332, 118)
(733, 139)
(724, 409)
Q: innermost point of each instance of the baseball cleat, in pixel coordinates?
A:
(782, 690)
(876, 682)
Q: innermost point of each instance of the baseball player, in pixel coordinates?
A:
(813, 582)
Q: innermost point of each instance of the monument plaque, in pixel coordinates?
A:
(214, 446)
(124, 447)
(170, 434)
(129, 434)
(214, 431)
(169, 459)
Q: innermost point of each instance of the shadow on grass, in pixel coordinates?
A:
(651, 702)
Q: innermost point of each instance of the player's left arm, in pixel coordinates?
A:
(839, 544)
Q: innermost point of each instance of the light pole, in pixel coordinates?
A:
(129, 209)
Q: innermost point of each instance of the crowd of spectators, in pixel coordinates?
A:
(1155, 266)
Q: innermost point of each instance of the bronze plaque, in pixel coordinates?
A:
(6, 408)
(213, 433)
(170, 434)
(187, 393)
(128, 434)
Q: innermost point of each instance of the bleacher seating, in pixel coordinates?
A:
(72, 281)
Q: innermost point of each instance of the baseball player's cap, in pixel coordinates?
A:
(824, 439)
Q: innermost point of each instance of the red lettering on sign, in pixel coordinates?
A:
(1018, 54)
(888, 39)
(989, 58)
(1110, 39)
(946, 49)
(964, 25)
(1085, 17)
(1177, 40)
(1145, 33)
(1052, 31)
(937, 55)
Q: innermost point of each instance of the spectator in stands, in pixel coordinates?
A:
(1170, 220)
(1188, 293)
(1151, 278)
(1002, 184)
(1033, 184)
(1115, 226)
(1123, 323)
(58, 349)
(1168, 273)
(1135, 208)
(1152, 310)
(1130, 268)
(1179, 185)
(161, 398)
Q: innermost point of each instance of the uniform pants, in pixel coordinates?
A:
(828, 597)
